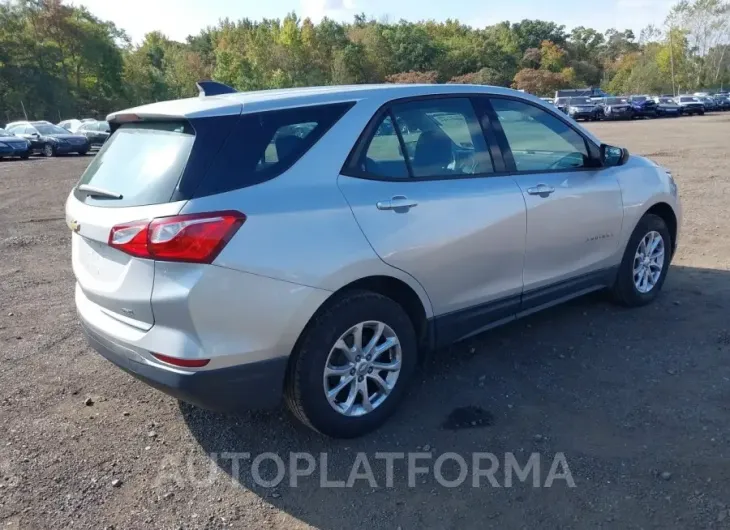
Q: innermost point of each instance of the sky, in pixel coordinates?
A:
(180, 18)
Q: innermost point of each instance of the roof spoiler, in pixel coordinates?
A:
(213, 88)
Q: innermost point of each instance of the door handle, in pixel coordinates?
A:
(543, 190)
(399, 202)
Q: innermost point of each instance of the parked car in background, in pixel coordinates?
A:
(643, 106)
(666, 106)
(50, 139)
(97, 132)
(722, 101)
(615, 108)
(12, 145)
(74, 124)
(579, 108)
(709, 103)
(690, 105)
(551, 101)
(70, 125)
(178, 284)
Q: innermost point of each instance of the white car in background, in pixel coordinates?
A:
(74, 124)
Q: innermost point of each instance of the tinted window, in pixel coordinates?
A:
(384, 157)
(285, 139)
(141, 161)
(539, 141)
(263, 145)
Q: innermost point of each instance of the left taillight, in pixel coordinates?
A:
(193, 238)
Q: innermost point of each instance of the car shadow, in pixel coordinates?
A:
(620, 392)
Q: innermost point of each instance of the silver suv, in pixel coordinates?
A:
(311, 243)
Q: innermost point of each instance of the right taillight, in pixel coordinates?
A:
(193, 238)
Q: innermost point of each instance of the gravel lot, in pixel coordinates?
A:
(637, 400)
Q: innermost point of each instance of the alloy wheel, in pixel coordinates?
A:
(362, 368)
(48, 150)
(648, 262)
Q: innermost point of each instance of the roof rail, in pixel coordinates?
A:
(213, 88)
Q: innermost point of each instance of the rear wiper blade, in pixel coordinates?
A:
(93, 191)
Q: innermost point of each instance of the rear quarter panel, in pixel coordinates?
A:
(299, 227)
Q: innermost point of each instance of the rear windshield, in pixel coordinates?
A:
(141, 161)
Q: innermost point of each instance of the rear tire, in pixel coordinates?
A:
(48, 150)
(625, 289)
(306, 384)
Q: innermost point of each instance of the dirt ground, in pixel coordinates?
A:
(636, 400)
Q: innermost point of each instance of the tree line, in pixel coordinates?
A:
(59, 61)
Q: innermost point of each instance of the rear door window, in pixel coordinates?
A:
(142, 161)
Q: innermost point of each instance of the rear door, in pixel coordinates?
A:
(142, 164)
(574, 206)
(423, 188)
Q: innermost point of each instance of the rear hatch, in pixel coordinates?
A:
(133, 177)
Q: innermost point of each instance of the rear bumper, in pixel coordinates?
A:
(256, 385)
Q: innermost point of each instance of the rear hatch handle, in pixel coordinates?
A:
(93, 191)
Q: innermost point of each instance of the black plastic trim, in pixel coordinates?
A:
(257, 385)
(452, 327)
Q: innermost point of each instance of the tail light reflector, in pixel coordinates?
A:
(183, 363)
(193, 238)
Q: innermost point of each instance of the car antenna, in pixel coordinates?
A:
(213, 88)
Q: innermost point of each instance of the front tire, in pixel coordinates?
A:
(352, 365)
(645, 263)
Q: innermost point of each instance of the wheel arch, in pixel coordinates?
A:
(667, 214)
(409, 298)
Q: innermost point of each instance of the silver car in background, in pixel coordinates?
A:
(311, 243)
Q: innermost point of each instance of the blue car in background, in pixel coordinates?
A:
(12, 146)
(643, 106)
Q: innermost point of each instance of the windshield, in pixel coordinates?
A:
(688, 100)
(47, 128)
(666, 100)
(5, 133)
(639, 99)
(580, 101)
(615, 101)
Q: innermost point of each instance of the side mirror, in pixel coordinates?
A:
(613, 156)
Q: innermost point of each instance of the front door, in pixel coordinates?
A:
(574, 206)
(424, 194)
